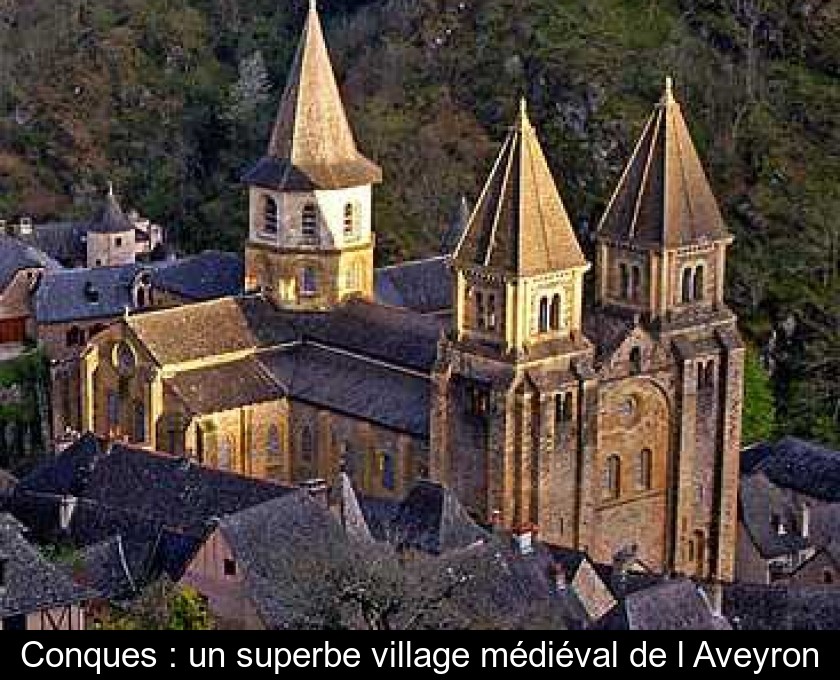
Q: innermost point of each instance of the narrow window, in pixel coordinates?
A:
(309, 223)
(686, 286)
(74, 336)
(349, 220)
(544, 320)
(479, 309)
(491, 312)
(270, 215)
(612, 480)
(139, 422)
(636, 284)
(118, 242)
(828, 576)
(635, 361)
(230, 567)
(563, 408)
(699, 292)
(225, 453)
(555, 313)
(386, 468)
(272, 443)
(645, 465)
(308, 281)
(307, 444)
(625, 281)
(710, 374)
(113, 410)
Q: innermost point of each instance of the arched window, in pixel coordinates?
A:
(544, 320)
(491, 312)
(272, 444)
(350, 220)
(308, 281)
(479, 309)
(699, 292)
(625, 281)
(307, 444)
(686, 285)
(309, 223)
(645, 469)
(555, 312)
(636, 283)
(635, 361)
(270, 215)
(139, 422)
(612, 478)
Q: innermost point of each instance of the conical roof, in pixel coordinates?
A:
(520, 225)
(312, 145)
(110, 218)
(663, 199)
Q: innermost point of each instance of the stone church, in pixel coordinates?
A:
(612, 427)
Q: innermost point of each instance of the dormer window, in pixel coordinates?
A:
(270, 215)
(309, 223)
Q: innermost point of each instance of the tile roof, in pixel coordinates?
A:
(519, 225)
(430, 519)
(312, 145)
(16, 256)
(354, 386)
(31, 582)
(226, 386)
(663, 199)
(424, 286)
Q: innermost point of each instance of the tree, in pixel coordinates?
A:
(163, 605)
(758, 422)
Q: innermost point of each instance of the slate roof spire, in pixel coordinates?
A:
(110, 218)
(663, 199)
(520, 226)
(312, 145)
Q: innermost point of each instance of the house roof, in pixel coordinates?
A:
(432, 520)
(63, 241)
(803, 466)
(110, 218)
(32, 583)
(312, 145)
(424, 286)
(16, 256)
(344, 499)
(113, 568)
(226, 386)
(64, 296)
(352, 385)
(671, 605)
(519, 225)
(663, 199)
(782, 607)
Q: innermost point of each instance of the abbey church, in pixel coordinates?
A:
(610, 427)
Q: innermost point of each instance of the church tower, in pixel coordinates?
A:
(310, 242)
(507, 387)
(661, 266)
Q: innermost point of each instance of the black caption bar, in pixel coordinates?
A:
(427, 653)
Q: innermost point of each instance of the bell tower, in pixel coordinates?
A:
(310, 241)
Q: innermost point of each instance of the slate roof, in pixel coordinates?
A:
(285, 547)
(344, 499)
(110, 218)
(16, 256)
(430, 519)
(32, 583)
(787, 607)
(213, 328)
(607, 328)
(519, 225)
(663, 199)
(455, 232)
(312, 145)
(226, 386)
(62, 241)
(353, 386)
(671, 605)
(65, 296)
(211, 274)
(424, 286)
(114, 569)
(796, 464)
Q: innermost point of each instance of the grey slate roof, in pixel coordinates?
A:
(430, 519)
(62, 295)
(62, 241)
(803, 466)
(16, 256)
(226, 386)
(110, 218)
(32, 583)
(353, 386)
(787, 607)
(424, 286)
(113, 568)
(671, 605)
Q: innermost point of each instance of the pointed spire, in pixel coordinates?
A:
(110, 218)
(663, 199)
(312, 145)
(520, 225)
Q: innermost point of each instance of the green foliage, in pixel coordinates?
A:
(163, 606)
(759, 415)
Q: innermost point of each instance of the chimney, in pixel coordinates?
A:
(523, 539)
(318, 489)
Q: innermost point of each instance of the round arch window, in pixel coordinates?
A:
(124, 358)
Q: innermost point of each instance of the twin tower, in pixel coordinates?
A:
(612, 428)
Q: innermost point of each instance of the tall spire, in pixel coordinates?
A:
(312, 145)
(663, 199)
(520, 225)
